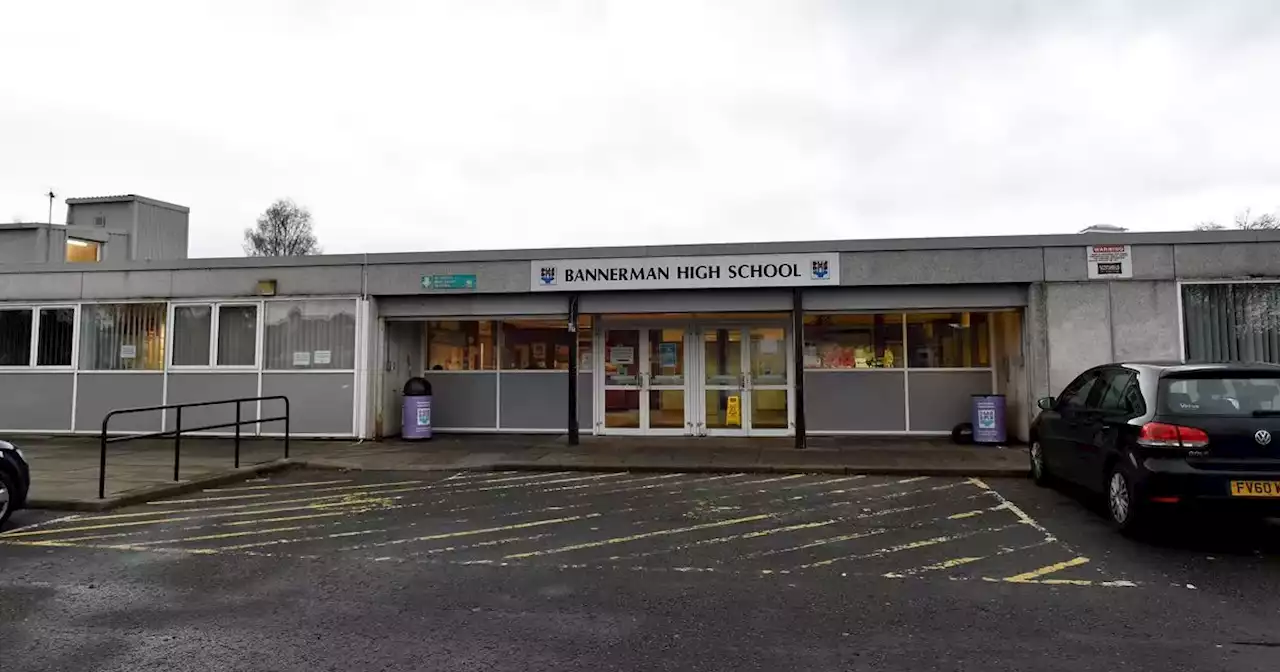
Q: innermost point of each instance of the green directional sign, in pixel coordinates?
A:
(449, 281)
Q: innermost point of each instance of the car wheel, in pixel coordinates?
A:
(1122, 502)
(8, 495)
(1039, 470)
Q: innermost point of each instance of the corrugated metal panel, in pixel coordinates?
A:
(161, 233)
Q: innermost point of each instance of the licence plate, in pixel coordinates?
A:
(1255, 488)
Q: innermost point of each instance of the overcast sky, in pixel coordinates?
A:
(433, 125)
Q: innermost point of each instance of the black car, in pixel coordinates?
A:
(15, 480)
(1154, 437)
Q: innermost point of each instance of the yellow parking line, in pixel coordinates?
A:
(1037, 573)
(734, 537)
(956, 562)
(485, 530)
(636, 537)
(879, 552)
(223, 535)
(278, 487)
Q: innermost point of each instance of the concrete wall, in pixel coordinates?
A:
(119, 215)
(18, 246)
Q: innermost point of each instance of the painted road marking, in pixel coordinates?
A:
(636, 537)
(221, 535)
(468, 533)
(957, 562)
(1022, 515)
(277, 487)
(1050, 569)
(730, 538)
(897, 548)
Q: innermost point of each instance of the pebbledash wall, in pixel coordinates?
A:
(339, 334)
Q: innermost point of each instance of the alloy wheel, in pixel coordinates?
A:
(1118, 497)
(4, 501)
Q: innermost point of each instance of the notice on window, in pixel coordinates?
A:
(322, 357)
(667, 355)
(128, 351)
(1108, 262)
(622, 354)
(302, 359)
(768, 346)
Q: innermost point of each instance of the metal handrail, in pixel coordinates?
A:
(177, 431)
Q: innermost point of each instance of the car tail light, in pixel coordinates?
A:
(1161, 435)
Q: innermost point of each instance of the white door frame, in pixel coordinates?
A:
(747, 384)
(643, 384)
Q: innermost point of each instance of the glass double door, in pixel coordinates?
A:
(696, 380)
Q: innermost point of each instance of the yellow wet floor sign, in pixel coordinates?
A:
(733, 412)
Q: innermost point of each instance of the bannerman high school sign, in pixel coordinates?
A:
(757, 270)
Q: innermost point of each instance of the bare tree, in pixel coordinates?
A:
(1244, 221)
(283, 230)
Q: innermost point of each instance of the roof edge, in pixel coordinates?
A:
(126, 198)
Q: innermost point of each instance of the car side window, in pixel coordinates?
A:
(1115, 396)
(1076, 395)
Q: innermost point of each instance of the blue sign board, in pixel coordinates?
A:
(988, 418)
(455, 281)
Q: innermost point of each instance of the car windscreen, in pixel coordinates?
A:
(1224, 395)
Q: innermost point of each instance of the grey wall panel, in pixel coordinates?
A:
(1144, 320)
(535, 400)
(36, 401)
(934, 267)
(20, 246)
(320, 403)
(866, 401)
(1227, 260)
(161, 234)
(127, 284)
(459, 305)
(1067, 264)
(191, 387)
(118, 215)
(290, 281)
(916, 298)
(711, 301)
(491, 276)
(1079, 329)
(117, 248)
(39, 286)
(99, 393)
(464, 400)
(940, 400)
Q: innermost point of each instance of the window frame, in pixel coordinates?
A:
(264, 364)
(167, 323)
(906, 342)
(33, 355)
(215, 313)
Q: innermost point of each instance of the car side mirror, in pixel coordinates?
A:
(1045, 403)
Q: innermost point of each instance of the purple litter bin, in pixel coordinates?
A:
(988, 418)
(416, 420)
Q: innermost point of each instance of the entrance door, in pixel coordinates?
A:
(644, 381)
(746, 378)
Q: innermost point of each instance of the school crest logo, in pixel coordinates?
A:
(548, 275)
(821, 270)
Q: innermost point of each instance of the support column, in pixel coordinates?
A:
(797, 329)
(573, 370)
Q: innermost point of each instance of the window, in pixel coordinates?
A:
(853, 341)
(191, 327)
(83, 251)
(541, 344)
(1220, 395)
(1075, 396)
(310, 335)
(238, 336)
(460, 346)
(948, 340)
(15, 337)
(1116, 395)
(55, 332)
(122, 337)
(1232, 322)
